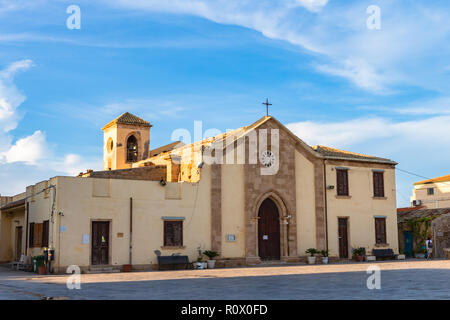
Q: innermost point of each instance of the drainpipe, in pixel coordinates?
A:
(131, 231)
(326, 202)
(27, 206)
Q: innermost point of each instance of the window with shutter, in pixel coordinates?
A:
(45, 232)
(378, 184)
(342, 182)
(173, 233)
(380, 230)
(37, 236)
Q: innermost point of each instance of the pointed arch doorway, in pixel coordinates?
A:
(269, 231)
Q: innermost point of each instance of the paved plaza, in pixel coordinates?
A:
(410, 279)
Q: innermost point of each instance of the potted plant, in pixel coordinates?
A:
(420, 253)
(358, 254)
(200, 264)
(40, 265)
(311, 258)
(211, 255)
(324, 254)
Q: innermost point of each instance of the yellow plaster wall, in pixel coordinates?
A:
(305, 202)
(40, 204)
(119, 134)
(233, 211)
(76, 201)
(361, 209)
(440, 199)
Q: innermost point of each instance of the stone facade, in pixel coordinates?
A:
(280, 188)
(441, 235)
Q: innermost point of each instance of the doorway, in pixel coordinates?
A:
(18, 243)
(343, 237)
(100, 243)
(269, 231)
(408, 241)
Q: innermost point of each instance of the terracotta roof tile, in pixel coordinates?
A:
(438, 179)
(128, 118)
(332, 152)
(421, 213)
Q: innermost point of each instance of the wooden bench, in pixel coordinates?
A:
(172, 262)
(384, 254)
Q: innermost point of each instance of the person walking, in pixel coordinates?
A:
(429, 246)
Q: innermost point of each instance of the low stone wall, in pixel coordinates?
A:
(441, 235)
(447, 253)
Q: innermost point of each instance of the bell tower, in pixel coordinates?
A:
(126, 140)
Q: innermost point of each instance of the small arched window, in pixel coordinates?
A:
(132, 149)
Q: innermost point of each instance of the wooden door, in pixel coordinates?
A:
(343, 237)
(18, 243)
(269, 231)
(100, 243)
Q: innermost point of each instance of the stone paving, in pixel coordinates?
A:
(410, 279)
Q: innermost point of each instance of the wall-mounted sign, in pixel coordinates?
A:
(62, 229)
(231, 237)
(265, 237)
(85, 239)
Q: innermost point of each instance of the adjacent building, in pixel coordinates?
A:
(432, 193)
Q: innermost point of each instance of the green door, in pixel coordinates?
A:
(408, 241)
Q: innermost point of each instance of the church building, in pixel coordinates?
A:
(258, 193)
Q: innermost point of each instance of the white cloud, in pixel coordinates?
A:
(30, 154)
(360, 73)
(28, 150)
(10, 97)
(410, 49)
(73, 164)
(429, 133)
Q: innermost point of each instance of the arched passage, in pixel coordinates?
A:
(269, 231)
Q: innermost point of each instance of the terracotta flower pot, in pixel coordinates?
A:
(42, 270)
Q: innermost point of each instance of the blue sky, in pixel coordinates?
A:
(331, 80)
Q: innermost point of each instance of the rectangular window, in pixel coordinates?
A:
(380, 230)
(378, 184)
(173, 233)
(430, 191)
(31, 239)
(37, 235)
(342, 182)
(45, 232)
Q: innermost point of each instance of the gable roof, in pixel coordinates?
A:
(128, 118)
(317, 151)
(434, 180)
